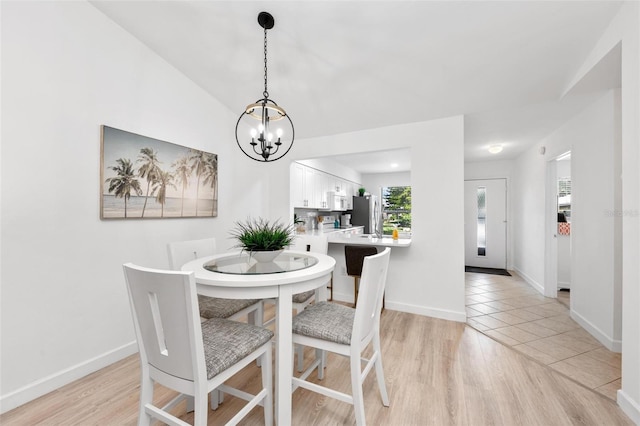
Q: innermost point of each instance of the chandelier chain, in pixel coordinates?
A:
(266, 141)
(265, 93)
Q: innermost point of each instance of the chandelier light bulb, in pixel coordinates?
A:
(254, 133)
(279, 133)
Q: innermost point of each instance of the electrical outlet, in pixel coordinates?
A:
(343, 270)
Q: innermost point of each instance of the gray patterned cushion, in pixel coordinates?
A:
(227, 342)
(213, 307)
(326, 321)
(303, 297)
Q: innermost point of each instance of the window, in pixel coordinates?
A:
(396, 209)
(564, 199)
(482, 221)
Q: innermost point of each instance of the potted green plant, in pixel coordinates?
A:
(361, 192)
(263, 239)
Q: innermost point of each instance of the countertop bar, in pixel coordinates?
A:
(328, 231)
(367, 240)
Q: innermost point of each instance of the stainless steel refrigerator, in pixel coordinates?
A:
(367, 212)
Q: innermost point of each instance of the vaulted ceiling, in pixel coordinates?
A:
(343, 66)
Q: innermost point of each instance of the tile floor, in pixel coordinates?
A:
(510, 311)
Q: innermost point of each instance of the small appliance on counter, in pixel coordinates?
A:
(345, 220)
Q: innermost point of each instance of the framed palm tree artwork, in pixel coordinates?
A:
(146, 178)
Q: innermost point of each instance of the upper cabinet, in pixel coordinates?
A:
(302, 186)
(350, 190)
(309, 187)
(322, 187)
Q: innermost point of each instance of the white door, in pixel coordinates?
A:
(485, 223)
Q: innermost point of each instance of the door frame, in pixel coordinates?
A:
(550, 288)
(507, 241)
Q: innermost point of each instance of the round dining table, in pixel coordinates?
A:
(240, 276)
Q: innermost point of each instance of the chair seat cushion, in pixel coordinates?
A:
(303, 297)
(213, 307)
(326, 321)
(227, 342)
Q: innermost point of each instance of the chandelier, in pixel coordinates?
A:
(264, 131)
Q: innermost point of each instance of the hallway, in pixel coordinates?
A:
(508, 310)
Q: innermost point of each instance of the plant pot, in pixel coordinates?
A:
(266, 256)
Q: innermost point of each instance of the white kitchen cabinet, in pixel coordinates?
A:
(338, 185)
(309, 187)
(302, 186)
(296, 185)
(321, 188)
(351, 191)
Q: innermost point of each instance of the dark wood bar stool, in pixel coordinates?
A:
(354, 258)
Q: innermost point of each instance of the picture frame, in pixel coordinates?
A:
(146, 178)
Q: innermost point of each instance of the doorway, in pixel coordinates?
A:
(485, 223)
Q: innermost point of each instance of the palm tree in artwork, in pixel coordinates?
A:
(148, 170)
(199, 166)
(162, 181)
(182, 173)
(211, 178)
(125, 182)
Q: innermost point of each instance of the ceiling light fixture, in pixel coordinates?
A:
(258, 117)
(494, 149)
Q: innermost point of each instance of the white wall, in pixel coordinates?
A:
(375, 181)
(595, 138)
(628, 20)
(528, 216)
(592, 137)
(334, 168)
(488, 169)
(428, 277)
(66, 70)
(624, 28)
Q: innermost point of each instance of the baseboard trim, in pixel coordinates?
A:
(55, 381)
(608, 342)
(630, 407)
(533, 283)
(427, 312)
(412, 309)
(342, 297)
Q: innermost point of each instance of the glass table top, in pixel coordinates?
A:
(244, 264)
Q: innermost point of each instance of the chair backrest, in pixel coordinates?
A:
(372, 284)
(311, 243)
(181, 252)
(354, 257)
(167, 322)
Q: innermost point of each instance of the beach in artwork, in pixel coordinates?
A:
(113, 207)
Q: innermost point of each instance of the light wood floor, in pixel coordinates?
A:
(510, 311)
(437, 373)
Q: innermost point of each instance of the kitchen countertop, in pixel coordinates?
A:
(328, 231)
(368, 240)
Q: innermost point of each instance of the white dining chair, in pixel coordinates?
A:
(314, 244)
(182, 353)
(181, 252)
(347, 331)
